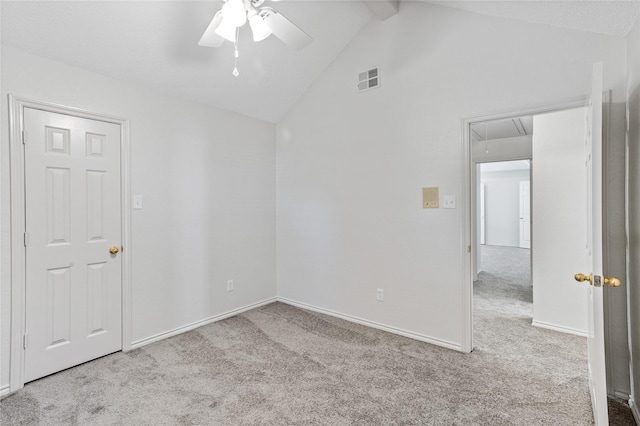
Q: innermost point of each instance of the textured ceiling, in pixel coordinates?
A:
(154, 43)
(609, 17)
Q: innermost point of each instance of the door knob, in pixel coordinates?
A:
(613, 281)
(114, 250)
(596, 280)
(582, 278)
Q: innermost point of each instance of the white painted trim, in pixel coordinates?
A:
(466, 243)
(161, 336)
(467, 217)
(4, 391)
(125, 182)
(17, 254)
(568, 330)
(372, 324)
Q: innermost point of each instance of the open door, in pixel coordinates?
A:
(595, 279)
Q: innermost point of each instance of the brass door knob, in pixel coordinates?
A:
(114, 250)
(613, 282)
(582, 278)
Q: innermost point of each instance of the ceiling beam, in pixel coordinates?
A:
(383, 9)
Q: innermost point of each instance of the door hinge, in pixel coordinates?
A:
(627, 122)
(26, 239)
(25, 341)
(24, 137)
(468, 249)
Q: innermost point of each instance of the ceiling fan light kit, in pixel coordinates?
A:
(263, 22)
(259, 28)
(233, 12)
(225, 29)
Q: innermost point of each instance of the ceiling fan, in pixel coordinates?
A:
(263, 21)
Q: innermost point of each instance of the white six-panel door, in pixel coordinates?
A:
(595, 338)
(73, 217)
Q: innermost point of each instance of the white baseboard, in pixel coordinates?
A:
(372, 324)
(621, 395)
(4, 391)
(634, 409)
(189, 327)
(576, 332)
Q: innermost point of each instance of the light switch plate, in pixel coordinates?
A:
(137, 202)
(430, 198)
(449, 202)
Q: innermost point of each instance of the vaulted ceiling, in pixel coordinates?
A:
(154, 43)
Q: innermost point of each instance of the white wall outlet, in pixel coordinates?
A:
(449, 202)
(380, 295)
(230, 285)
(137, 202)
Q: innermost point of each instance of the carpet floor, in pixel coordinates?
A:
(282, 365)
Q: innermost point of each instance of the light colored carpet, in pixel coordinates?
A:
(282, 365)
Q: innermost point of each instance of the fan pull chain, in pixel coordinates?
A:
(235, 63)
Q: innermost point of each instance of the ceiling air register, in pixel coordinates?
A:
(369, 79)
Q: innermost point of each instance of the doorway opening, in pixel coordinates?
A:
(504, 255)
(526, 240)
(526, 178)
(501, 170)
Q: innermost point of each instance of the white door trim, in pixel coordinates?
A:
(468, 224)
(17, 208)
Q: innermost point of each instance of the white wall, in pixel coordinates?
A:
(208, 181)
(502, 206)
(633, 212)
(559, 233)
(350, 166)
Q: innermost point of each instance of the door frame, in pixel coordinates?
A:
(468, 222)
(18, 226)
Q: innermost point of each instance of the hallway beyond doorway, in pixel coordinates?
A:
(503, 310)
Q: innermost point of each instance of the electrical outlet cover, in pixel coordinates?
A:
(449, 202)
(137, 202)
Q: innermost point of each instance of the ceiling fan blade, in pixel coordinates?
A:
(284, 29)
(210, 38)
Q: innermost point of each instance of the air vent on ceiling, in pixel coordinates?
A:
(369, 79)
